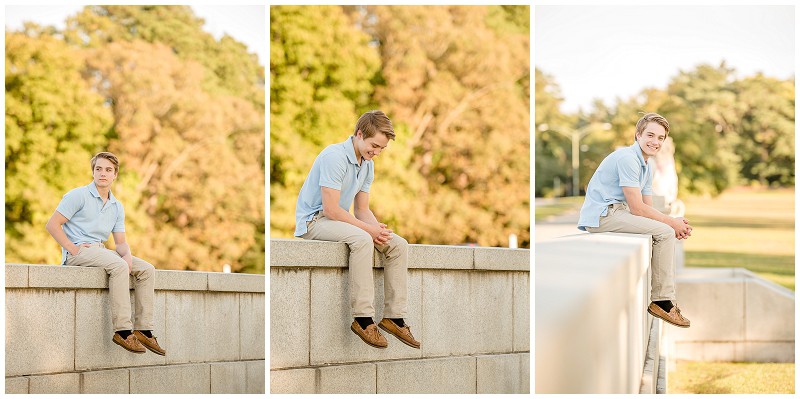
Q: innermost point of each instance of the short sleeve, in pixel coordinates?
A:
(370, 177)
(648, 184)
(629, 169)
(71, 203)
(332, 169)
(119, 224)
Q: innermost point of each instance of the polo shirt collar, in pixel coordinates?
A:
(349, 150)
(93, 189)
(638, 150)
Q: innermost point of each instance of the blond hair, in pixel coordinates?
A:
(651, 117)
(107, 155)
(374, 122)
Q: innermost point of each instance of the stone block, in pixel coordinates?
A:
(201, 326)
(501, 374)
(67, 277)
(16, 385)
(55, 383)
(106, 381)
(522, 312)
(289, 310)
(292, 381)
(251, 325)
(331, 338)
(769, 312)
(16, 276)
(525, 372)
(348, 379)
(769, 352)
(430, 376)
(236, 282)
(30, 348)
(478, 302)
(717, 305)
(229, 377)
(183, 378)
(174, 280)
(440, 257)
(94, 348)
(307, 253)
(502, 259)
(256, 377)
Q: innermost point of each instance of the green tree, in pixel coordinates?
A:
(55, 122)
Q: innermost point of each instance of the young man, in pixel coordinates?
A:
(340, 176)
(82, 221)
(619, 198)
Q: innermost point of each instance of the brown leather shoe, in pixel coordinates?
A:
(674, 316)
(402, 333)
(131, 343)
(370, 335)
(150, 343)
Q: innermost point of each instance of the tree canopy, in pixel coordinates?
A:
(183, 112)
(454, 80)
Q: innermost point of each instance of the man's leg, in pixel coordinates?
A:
(620, 220)
(144, 281)
(362, 292)
(395, 287)
(118, 289)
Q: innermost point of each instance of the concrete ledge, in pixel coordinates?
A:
(16, 276)
(236, 282)
(429, 376)
(184, 378)
(106, 381)
(17, 385)
(348, 379)
(506, 373)
(55, 383)
(312, 253)
(292, 381)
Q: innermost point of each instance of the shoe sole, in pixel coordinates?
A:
(398, 337)
(655, 315)
(127, 349)
(365, 341)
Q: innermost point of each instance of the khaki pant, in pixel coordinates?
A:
(98, 255)
(362, 292)
(620, 220)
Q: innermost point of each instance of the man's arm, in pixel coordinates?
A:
(642, 206)
(332, 211)
(53, 227)
(123, 249)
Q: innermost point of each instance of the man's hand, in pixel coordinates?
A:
(380, 234)
(78, 248)
(682, 227)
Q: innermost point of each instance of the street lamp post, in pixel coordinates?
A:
(575, 136)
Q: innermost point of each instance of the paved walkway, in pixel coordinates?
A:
(556, 226)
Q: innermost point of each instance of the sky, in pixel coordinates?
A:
(616, 51)
(246, 24)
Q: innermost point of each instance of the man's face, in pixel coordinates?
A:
(651, 139)
(371, 147)
(103, 173)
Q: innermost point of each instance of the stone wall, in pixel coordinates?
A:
(469, 307)
(58, 333)
(592, 328)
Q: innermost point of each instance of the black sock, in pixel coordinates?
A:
(364, 322)
(124, 333)
(666, 305)
(399, 322)
(146, 333)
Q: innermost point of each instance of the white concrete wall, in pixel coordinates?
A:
(736, 316)
(58, 333)
(592, 327)
(470, 308)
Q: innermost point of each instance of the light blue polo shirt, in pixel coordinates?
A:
(336, 167)
(89, 220)
(625, 167)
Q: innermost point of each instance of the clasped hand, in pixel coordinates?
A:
(380, 234)
(682, 228)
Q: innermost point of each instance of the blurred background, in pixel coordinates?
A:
(454, 80)
(724, 78)
(181, 108)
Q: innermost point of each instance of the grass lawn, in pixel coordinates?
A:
(748, 228)
(712, 377)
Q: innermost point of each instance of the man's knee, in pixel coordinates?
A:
(117, 267)
(360, 241)
(399, 242)
(664, 233)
